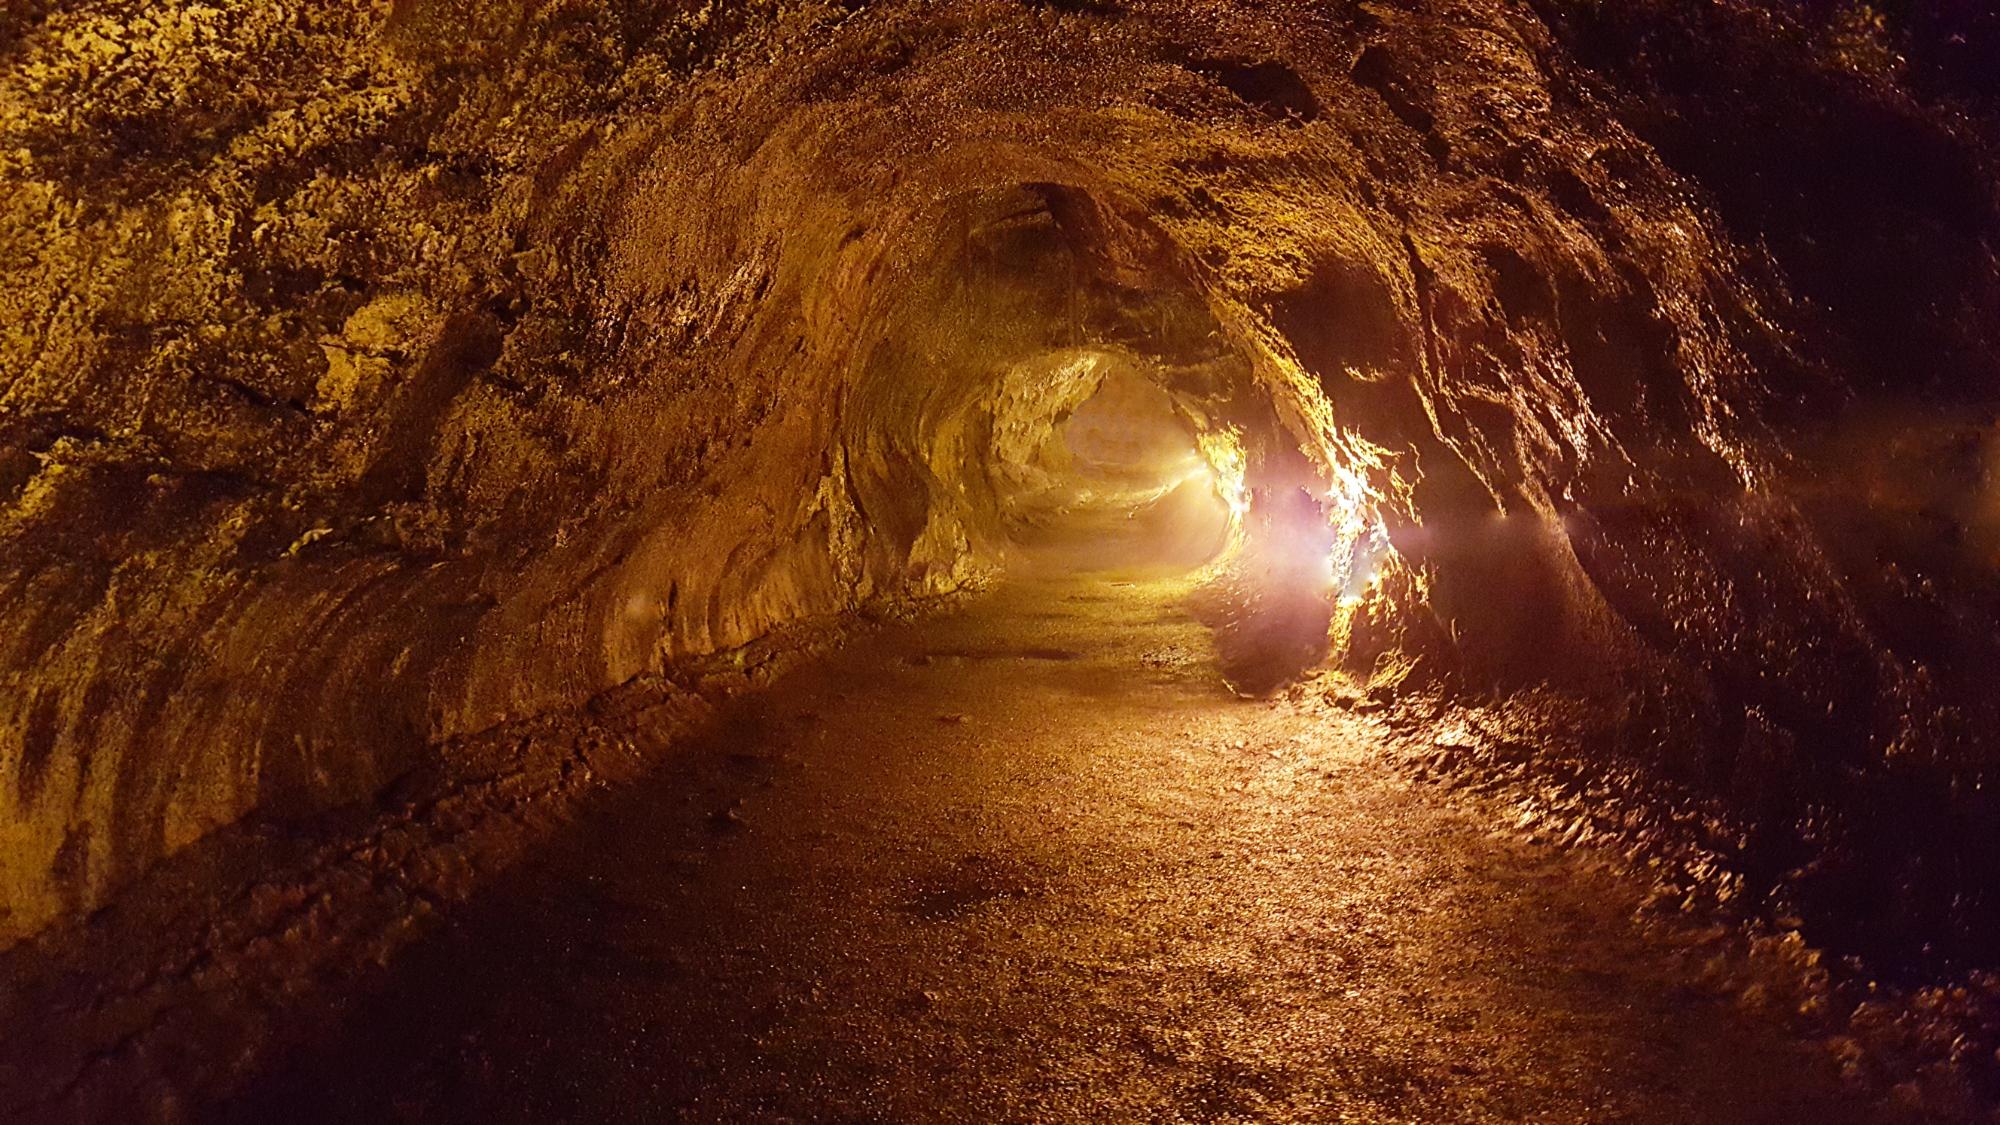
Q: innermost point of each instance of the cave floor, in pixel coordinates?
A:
(1033, 863)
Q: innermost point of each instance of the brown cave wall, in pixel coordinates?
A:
(373, 375)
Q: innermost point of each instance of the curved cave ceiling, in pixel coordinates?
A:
(377, 374)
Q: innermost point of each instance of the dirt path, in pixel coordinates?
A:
(1032, 863)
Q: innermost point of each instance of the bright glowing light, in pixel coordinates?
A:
(1223, 450)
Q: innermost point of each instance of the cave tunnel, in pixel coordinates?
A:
(999, 560)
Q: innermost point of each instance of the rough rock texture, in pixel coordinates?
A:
(372, 374)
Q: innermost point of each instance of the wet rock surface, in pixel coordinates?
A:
(1112, 891)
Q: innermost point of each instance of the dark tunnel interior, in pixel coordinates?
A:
(1000, 560)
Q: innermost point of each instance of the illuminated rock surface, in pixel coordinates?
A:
(412, 410)
(1108, 891)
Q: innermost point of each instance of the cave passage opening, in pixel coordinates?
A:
(1070, 396)
(1049, 384)
(1098, 469)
